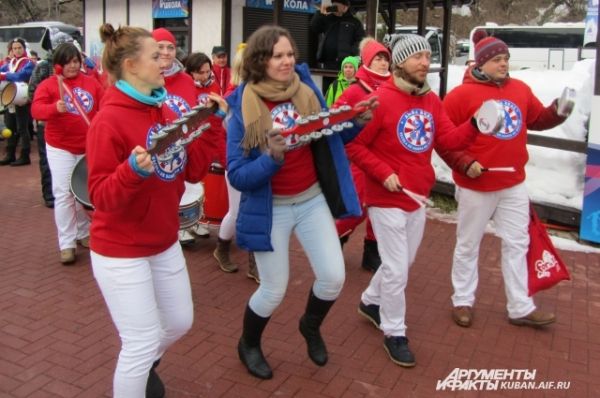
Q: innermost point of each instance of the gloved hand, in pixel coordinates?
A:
(276, 144)
(489, 118)
(566, 102)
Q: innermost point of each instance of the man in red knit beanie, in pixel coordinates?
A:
(499, 196)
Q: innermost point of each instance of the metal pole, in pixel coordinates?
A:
(278, 12)
(372, 7)
(445, 47)
(422, 21)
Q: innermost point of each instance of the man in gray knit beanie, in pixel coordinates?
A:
(405, 46)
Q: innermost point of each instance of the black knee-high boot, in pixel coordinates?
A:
(316, 310)
(154, 386)
(249, 348)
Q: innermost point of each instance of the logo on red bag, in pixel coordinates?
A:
(545, 264)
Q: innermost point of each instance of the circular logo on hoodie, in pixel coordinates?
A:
(415, 130)
(513, 121)
(83, 98)
(170, 163)
(177, 104)
(284, 117)
(203, 99)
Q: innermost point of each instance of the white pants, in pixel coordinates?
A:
(227, 228)
(509, 209)
(150, 302)
(399, 234)
(72, 221)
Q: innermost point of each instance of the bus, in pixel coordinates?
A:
(36, 34)
(552, 46)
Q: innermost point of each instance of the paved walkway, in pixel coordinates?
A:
(57, 340)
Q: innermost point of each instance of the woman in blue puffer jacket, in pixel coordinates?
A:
(300, 190)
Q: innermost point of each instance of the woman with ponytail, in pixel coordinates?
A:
(136, 258)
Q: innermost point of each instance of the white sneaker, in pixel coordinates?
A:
(200, 230)
(185, 238)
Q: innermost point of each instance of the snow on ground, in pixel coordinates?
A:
(559, 242)
(553, 176)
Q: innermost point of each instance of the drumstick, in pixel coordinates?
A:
(420, 199)
(509, 169)
(59, 77)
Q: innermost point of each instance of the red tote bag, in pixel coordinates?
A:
(544, 265)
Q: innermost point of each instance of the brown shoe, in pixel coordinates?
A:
(67, 256)
(85, 242)
(463, 315)
(252, 270)
(221, 253)
(534, 319)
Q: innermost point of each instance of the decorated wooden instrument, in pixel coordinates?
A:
(323, 124)
(181, 131)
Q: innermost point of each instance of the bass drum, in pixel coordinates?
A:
(14, 94)
(79, 180)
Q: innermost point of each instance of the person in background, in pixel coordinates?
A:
(283, 192)
(34, 55)
(345, 78)
(501, 197)
(43, 70)
(67, 110)
(17, 70)
(220, 68)
(199, 67)
(374, 71)
(340, 33)
(136, 258)
(394, 150)
(227, 227)
(181, 97)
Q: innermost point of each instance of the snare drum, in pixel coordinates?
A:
(79, 180)
(190, 206)
(14, 94)
(216, 202)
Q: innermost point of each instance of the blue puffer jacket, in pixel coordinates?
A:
(251, 174)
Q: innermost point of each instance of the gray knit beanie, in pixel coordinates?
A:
(405, 45)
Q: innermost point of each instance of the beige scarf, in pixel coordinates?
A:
(256, 115)
(410, 88)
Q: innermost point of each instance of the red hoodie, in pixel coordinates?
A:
(215, 122)
(67, 130)
(135, 216)
(506, 148)
(367, 82)
(222, 76)
(399, 139)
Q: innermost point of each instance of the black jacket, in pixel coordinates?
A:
(339, 39)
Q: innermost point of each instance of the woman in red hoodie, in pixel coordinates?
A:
(136, 258)
(374, 71)
(67, 102)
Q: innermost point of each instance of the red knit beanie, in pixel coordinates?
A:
(487, 47)
(161, 34)
(370, 48)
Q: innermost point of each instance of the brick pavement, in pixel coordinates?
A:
(57, 340)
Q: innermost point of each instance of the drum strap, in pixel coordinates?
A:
(75, 101)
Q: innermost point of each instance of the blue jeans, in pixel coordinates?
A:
(314, 226)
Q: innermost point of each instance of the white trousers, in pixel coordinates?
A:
(150, 302)
(227, 228)
(509, 209)
(399, 234)
(72, 221)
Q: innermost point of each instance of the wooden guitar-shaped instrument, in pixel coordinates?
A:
(185, 129)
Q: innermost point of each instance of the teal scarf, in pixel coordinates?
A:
(156, 97)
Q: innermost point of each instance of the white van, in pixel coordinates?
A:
(555, 46)
(36, 34)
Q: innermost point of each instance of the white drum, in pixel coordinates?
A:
(14, 94)
(190, 206)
